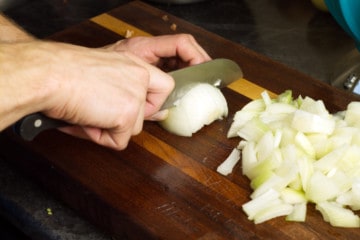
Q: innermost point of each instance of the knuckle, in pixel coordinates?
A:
(118, 144)
(121, 145)
(144, 74)
(170, 84)
(186, 37)
(119, 45)
(127, 54)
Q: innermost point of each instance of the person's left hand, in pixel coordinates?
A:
(168, 52)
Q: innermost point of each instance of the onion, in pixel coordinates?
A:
(295, 152)
(226, 167)
(200, 106)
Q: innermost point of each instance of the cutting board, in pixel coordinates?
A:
(165, 186)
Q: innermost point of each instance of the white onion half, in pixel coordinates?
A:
(200, 106)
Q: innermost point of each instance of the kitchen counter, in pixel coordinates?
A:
(291, 32)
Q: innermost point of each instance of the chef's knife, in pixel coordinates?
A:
(218, 72)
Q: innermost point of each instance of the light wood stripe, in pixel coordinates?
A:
(249, 89)
(192, 168)
(116, 25)
(242, 86)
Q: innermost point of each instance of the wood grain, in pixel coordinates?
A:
(164, 186)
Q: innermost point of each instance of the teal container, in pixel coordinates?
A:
(347, 14)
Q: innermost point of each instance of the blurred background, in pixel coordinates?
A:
(294, 32)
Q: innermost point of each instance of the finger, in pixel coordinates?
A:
(183, 46)
(159, 88)
(138, 125)
(112, 138)
(75, 131)
(97, 135)
(190, 51)
(119, 137)
(159, 116)
(153, 49)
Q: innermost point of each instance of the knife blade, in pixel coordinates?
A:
(218, 72)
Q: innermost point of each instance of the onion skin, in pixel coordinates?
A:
(200, 106)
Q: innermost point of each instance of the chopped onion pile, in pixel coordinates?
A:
(295, 152)
(200, 106)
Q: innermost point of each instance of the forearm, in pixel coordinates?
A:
(21, 90)
(16, 96)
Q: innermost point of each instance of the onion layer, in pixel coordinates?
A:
(200, 106)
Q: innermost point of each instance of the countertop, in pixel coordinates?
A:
(291, 32)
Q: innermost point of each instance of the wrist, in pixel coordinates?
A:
(23, 86)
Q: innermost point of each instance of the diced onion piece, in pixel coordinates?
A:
(266, 97)
(315, 107)
(293, 196)
(249, 160)
(351, 197)
(298, 214)
(275, 182)
(257, 105)
(265, 146)
(306, 170)
(242, 118)
(227, 166)
(321, 188)
(286, 97)
(258, 204)
(338, 216)
(330, 160)
(320, 143)
(247, 113)
(253, 130)
(352, 114)
(303, 142)
(273, 210)
(276, 112)
(307, 122)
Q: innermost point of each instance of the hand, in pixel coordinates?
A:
(113, 98)
(168, 52)
(106, 94)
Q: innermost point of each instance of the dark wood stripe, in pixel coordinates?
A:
(87, 34)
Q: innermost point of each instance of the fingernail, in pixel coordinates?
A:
(161, 115)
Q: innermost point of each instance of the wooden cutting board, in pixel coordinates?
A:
(164, 186)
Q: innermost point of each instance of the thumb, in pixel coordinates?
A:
(159, 116)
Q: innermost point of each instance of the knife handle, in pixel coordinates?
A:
(31, 125)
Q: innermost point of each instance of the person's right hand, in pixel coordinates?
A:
(104, 93)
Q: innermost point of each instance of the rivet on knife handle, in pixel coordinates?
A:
(31, 125)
